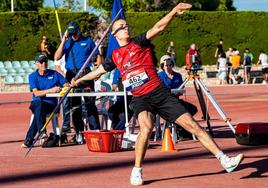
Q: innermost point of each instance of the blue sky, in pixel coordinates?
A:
(255, 5)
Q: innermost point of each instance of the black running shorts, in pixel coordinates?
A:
(159, 101)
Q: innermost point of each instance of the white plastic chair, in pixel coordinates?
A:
(3, 72)
(1, 65)
(8, 64)
(29, 70)
(24, 64)
(18, 79)
(20, 71)
(16, 64)
(11, 71)
(26, 79)
(9, 79)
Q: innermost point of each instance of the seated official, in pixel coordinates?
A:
(170, 78)
(42, 81)
(173, 80)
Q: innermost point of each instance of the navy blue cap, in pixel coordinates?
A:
(72, 27)
(41, 58)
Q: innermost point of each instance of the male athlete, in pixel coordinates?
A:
(136, 63)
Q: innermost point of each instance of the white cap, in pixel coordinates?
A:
(164, 58)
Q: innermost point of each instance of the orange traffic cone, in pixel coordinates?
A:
(167, 144)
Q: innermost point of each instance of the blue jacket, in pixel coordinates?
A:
(173, 83)
(50, 79)
(82, 48)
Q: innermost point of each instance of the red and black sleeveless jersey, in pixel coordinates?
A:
(136, 55)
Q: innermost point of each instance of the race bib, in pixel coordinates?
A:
(135, 79)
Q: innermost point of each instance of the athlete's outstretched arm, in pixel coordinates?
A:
(163, 23)
(90, 76)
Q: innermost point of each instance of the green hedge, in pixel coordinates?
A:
(238, 29)
(20, 32)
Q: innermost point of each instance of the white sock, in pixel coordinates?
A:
(219, 155)
(136, 169)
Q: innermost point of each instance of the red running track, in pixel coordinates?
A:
(190, 167)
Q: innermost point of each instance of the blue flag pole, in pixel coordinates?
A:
(112, 43)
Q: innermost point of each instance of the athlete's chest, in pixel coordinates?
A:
(131, 61)
(129, 57)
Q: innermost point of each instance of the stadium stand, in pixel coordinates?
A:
(17, 72)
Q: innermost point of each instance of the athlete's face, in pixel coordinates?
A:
(120, 30)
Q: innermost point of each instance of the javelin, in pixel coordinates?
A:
(57, 18)
(78, 75)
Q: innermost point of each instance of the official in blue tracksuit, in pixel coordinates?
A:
(77, 49)
(42, 81)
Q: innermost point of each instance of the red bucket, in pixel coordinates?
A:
(104, 141)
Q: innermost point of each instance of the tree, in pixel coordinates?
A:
(71, 5)
(21, 5)
(230, 5)
(163, 5)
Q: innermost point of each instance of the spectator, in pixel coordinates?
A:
(117, 110)
(250, 55)
(248, 59)
(102, 47)
(222, 68)
(236, 63)
(47, 48)
(193, 58)
(43, 46)
(135, 62)
(229, 64)
(76, 49)
(219, 49)
(263, 60)
(42, 81)
(171, 51)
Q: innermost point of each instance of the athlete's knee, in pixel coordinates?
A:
(188, 123)
(146, 123)
(146, 129)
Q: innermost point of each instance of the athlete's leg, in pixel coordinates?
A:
(145, 120)
(228, 163)
(188, 123)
